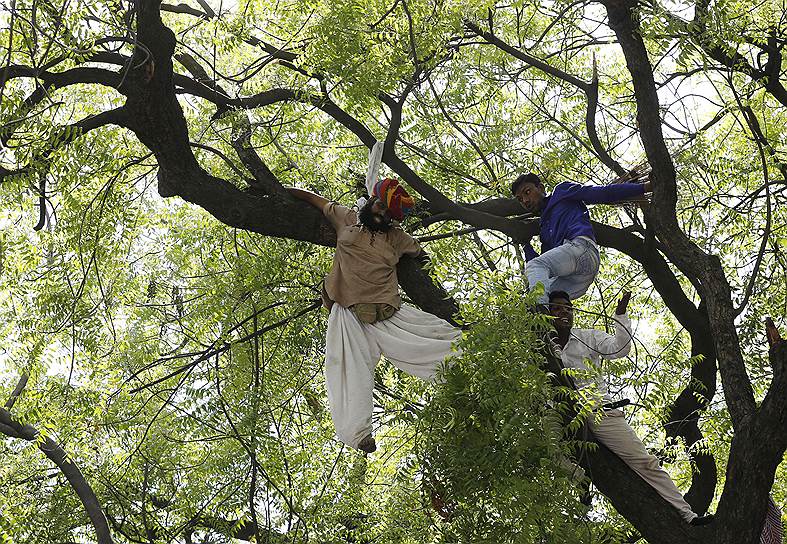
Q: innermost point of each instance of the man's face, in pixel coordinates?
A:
(531, 196)
(375, 215)
(563, 312)
(379, 208)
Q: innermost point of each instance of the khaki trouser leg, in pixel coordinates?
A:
(614, 432)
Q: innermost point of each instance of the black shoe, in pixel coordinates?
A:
(586, 498)
(368, 444)
(701, 520)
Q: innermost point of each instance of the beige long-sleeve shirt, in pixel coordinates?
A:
(364, 265)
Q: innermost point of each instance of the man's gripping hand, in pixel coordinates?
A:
(623, 303)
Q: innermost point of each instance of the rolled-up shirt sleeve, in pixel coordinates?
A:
(338, 215)
(406, 244)
(618, 345)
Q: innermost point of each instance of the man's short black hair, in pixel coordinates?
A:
(530, 177)
(553, 295)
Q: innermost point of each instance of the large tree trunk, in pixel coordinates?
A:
(153, 113)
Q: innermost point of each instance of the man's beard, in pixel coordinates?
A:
(373, 221)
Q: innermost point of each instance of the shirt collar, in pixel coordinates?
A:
(547, 200)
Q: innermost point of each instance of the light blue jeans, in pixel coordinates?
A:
(570, 267)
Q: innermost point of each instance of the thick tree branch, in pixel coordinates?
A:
(73, 76)
(10, 427)
(201, 76)
(750, 468)
(20, 386)
(755, 453)
(662, 217)
(184, 9)
(264, 178)
(634, 499)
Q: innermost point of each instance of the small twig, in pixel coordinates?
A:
(453, 234)
(207, 355)
(385, 15)
(221, 155)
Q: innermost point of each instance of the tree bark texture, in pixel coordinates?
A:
(153, 113)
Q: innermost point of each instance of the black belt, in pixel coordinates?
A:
(617, 404)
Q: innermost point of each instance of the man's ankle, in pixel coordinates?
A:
(701, 520)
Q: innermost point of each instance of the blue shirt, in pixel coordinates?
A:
(565, 216)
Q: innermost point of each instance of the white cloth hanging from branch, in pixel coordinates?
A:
(373, 170)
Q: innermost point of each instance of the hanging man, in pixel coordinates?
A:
(569, 257)
(612, 430)
(367, 318)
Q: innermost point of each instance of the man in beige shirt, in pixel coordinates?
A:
(367, 318)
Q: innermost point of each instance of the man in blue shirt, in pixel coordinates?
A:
(569, 260)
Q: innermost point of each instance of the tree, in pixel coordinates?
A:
(175, 331)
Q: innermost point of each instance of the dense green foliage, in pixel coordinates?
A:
(490, 446)
(179, 361)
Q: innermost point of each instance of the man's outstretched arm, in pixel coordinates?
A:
(618, 345)
(314, 199)
(607, 194)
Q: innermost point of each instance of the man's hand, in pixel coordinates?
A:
(623, 303)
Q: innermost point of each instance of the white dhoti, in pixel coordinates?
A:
(415, 341)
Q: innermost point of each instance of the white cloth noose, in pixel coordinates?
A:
(372, 172)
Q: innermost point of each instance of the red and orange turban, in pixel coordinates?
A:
(395, 197)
